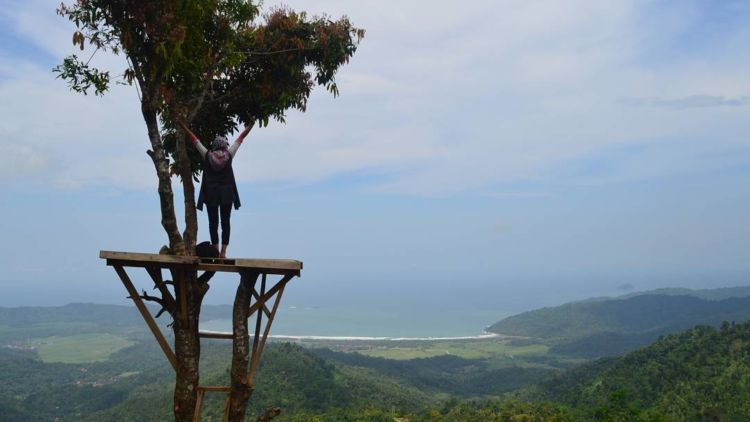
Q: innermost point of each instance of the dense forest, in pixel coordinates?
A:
(700, 374)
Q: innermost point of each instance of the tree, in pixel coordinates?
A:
(217, 64)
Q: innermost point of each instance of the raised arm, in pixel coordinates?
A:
(236, 145)
(196, 142)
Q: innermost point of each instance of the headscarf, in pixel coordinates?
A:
(219, 155)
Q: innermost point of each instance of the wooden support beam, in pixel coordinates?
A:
(257, 354)
(225, 416)
(220, 389)
(236, 268)
(272, 291)
(201, 391)
(258, 320)
(198, 405)
(257, 298)
(147, 317)
(215, 334)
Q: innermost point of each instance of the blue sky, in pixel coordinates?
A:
(521, 152)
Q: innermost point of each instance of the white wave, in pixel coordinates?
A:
(363, 338)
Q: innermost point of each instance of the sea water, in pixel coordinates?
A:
(332, 321)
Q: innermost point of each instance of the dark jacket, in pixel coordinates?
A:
(218, 187)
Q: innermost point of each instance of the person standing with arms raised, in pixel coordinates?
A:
(218, 187)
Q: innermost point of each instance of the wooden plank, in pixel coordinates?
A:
(201, 267)
(220, 389)
(147, 317)
(281, 264)
(216, 334)
(235, 269)
(148, 257)
(137, 259)
(257, 354)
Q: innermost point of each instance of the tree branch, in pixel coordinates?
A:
(163, 303)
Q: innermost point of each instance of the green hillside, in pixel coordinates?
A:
(720, 293)
(450, 375)
(700, 374)
(610, 327)
(18, 324)
(135, 385)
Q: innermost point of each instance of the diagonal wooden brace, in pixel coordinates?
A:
(257, 352)
(147, 317)
(269, 294)
(258, 320)
(256, 296)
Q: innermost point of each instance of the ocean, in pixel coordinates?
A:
(319, 321)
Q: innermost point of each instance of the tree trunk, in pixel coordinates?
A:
(188, 189)
(187, 343)
(161, 164)
(189, 291)
(241, 348)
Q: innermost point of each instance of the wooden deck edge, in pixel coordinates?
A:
(138, 259)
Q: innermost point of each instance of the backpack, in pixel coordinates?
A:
(206, 250)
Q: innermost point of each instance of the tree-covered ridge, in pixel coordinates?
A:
(700, 374)
(134, 385)
(609, 327)
(18, 324)
(448, 375)
(719, 293)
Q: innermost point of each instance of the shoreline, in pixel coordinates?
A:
(485, 336)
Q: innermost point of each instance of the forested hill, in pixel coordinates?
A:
(708, 294)
(631, 315)
(699, 374)
(82, 318)
(135, 384)
(90, 312)
(609, 327)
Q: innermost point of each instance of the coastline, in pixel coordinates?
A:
(485, 336)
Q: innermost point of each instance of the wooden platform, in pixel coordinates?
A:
(262, 298)
(266, 266)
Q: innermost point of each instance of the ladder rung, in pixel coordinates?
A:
(214, 388)
(215, 334)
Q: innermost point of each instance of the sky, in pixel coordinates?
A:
(500, 154)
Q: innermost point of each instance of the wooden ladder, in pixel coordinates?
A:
(199, 401)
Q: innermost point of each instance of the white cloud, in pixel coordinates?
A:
(22, 162)
(440, 97)
(692, 101)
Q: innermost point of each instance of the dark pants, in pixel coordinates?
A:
(213, 222)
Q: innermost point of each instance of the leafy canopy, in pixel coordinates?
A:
(215, 62)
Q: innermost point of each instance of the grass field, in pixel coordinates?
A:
(45, 329)
(80, 348)
(468, 349)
